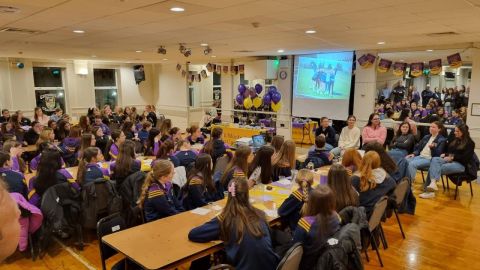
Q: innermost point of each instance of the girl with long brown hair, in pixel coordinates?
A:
(291, 209)
(243, 228)
(372, 181)
(166, 151)
(283, 162)
(157, 198)
(126, 163)
(88, 169)
(341, 184)
(238, 166)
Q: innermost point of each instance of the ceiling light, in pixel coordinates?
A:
(310, 32)
(213, 56)
(162, 50)
(207, 51)
(182, 48)
(401, 60)
(381, 43)
(94, 56)
(138, 51)
(165, 59)
(78, 31)
(177, 9)
(187, 52)
(429, 50)
(204, 44)
(281, 51)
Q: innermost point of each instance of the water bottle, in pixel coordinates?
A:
(310, 165)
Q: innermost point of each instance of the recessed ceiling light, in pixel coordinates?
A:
(310, 32)
(213, 56)
(177, 9)
(94, 56)
(281, 51)
(429, 50)
(381, 42)
(401, 60)
(165, 59)
(204, 44)
(138, 51)
(78, 31)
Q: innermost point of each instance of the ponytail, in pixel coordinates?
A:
(88, 154)
(371, 160)
(161, 168)
(146, 184)
(305, 180)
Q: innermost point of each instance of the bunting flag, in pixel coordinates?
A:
(235, 70)
(225, 69)
(399, 68)
(435, 66)
(416, 69)
(184, 73)
(198, 78)
(204, 74)
(454, 60)
(218, 69)
(241, 69)
(179, 67)
(209, 67)
(384, 65)
(366, 60)
(191, 78)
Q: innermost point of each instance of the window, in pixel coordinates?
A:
(217, 90)
(49, 91)
(105, 81)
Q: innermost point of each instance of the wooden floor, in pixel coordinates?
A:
(443, 234)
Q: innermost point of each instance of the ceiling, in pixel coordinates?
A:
(115, 29)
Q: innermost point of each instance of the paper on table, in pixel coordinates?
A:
(216, 207)
(200, 211)
(284, 191)
(271, 213)
(285, 182)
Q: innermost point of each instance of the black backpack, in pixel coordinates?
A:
(99, 199)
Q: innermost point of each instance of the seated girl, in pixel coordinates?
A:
(15, 180)
(16, 151)
(49, 173)
(260, 170)
(200, 188)
(238, 166)
(320, 221)
(340, 182)
(165, 152)
(284, 161)
(118, 137)
(371, 181)
(88, 168)
(195, 136)
(70, 145)
(216, 148)
(126, 163)
(291, 209)
(403, 141)
(319, 156)
(351, 160)
(184, 153)
(157, 198)
(243, 229)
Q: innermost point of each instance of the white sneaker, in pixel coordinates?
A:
(427, 195)
(432, 186)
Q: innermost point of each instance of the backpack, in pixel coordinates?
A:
(99, 199)
(472, 167)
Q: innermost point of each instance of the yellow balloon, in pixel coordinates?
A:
(247, 103)
(257, 102)
(276, 106)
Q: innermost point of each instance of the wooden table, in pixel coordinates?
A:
(164, 244)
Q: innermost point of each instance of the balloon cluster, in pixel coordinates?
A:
(248, 97)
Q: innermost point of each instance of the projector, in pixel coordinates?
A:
(162, 50)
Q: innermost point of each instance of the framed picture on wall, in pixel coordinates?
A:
(49, 100)
(475, 111)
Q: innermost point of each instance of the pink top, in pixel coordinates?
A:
(369, 134)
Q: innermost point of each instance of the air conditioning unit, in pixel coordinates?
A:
(261, 70)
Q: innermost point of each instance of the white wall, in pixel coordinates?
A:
(365, 91)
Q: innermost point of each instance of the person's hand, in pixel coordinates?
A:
(448, 158)
(251, 183)
(442, 155)
(410, 156)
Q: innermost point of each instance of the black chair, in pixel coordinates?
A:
(374, 226)
(292, 258)
(399, 193)
(458, 179)
(108, 225)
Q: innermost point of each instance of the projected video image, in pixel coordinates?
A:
(323, 76)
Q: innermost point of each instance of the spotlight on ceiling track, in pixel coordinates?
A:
(207, 50)
(182, 48)
(187, 52)
(162, 50)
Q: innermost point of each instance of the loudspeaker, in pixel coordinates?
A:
(139, 73)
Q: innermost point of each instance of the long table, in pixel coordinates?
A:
(231, 133)
(164, 244)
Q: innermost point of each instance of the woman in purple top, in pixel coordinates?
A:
(34, 163)
(70, 145)
(114, 145)
(49, 165)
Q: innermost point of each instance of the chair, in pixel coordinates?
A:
(108, 225)
(374, 225)
(292, 259)
(400, 192)
(457, 179)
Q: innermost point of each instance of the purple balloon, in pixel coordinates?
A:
(253, 94)
(272, 89)
(242, 88)
(246, 93)
(239, 99)
(267, 100)
(276, 97)
(258, 88)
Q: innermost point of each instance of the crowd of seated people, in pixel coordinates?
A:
(310, 214)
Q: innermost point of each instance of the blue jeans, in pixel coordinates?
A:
(397, 153)
(415, 163)
(337, 152)
(439, 167)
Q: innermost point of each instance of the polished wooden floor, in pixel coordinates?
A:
(443, 234)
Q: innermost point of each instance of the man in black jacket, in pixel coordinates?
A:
(5, 116)
(32, 135)
(427, 94)
(328, 132)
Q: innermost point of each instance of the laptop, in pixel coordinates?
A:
(257, 142)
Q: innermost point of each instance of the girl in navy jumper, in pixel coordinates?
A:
(319, 223)
(200, 188)
(284, 161)
(166, 152)
(260, 170)
(341, 184)
(88, 169)
(70, 145)
(126, 163)
(16, 151)
(14, 179)
(238, 166)
(185, 155)
(242, 228)
(291, 209)
(157, 199)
